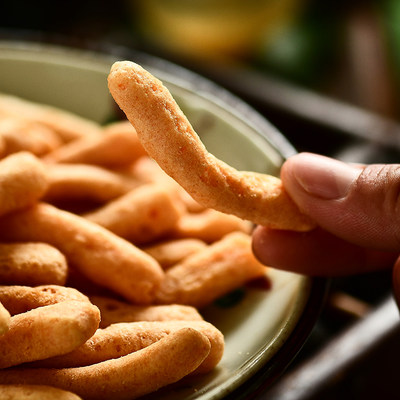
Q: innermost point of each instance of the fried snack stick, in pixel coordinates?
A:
(67, 125)
(171, 252)
(19, 299)
(22, 181)
(208, 274)
(35, 392)
(115, 311)
(147, 170)
(85, 182)
(209, 225)
(105, 258)
(168, 137)
(129, 377)
(142, 215)
(32, 264)
(117, 145)
(121, 339)
(20, 135)
(47, 331)
(5, 318)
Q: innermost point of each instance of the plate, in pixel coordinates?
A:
(264, 325)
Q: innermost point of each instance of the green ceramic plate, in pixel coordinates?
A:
(263, 327)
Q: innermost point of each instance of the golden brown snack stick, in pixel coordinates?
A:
(85, 182)
(117, 145)
(129, 377)
(68, 126)
(105, 258)
(142, 215)
(23, 181)
(127, 337)
(147, 170)
(115, 311)
(208, 274)
(32, 264)
(35, 392)
(5, 318)
(173, 251)
(48, 331)
(20, 135)
(19, 299)
(168, 137)
(209, 225)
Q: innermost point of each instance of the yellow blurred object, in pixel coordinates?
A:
(213, 29)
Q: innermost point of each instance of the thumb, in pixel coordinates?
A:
(358, 204)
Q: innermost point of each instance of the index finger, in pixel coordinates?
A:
(316, 253)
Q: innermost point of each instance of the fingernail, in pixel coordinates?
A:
(325, 177)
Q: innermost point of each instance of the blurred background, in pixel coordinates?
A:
(327, 74)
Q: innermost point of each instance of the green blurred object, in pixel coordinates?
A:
(305, 51)
(390, 11)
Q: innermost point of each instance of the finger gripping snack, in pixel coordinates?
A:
(169, 138)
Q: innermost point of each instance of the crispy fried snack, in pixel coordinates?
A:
(142, 215)
(120, 339)
(105, 258)
(23, 181)
(21, 135)
(170, 252)
(168, 137)
(129, 377)
(85, 182)
(19, 299)
(35, 392)
(48, 331)
(208, 274)
(5, 318)
(115, 311)
(118, 145)
(209, 225)
(32, 264)
(68, 126)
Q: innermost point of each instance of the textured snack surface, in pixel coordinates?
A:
(169, 138)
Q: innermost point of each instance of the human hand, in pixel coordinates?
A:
(357, 209)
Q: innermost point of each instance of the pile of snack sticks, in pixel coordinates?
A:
(105, 262)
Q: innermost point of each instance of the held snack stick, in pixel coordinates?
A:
(32, 264)
(48, 331)
(122, 338)
(168, 137)
(102, 256)
(128, 377)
